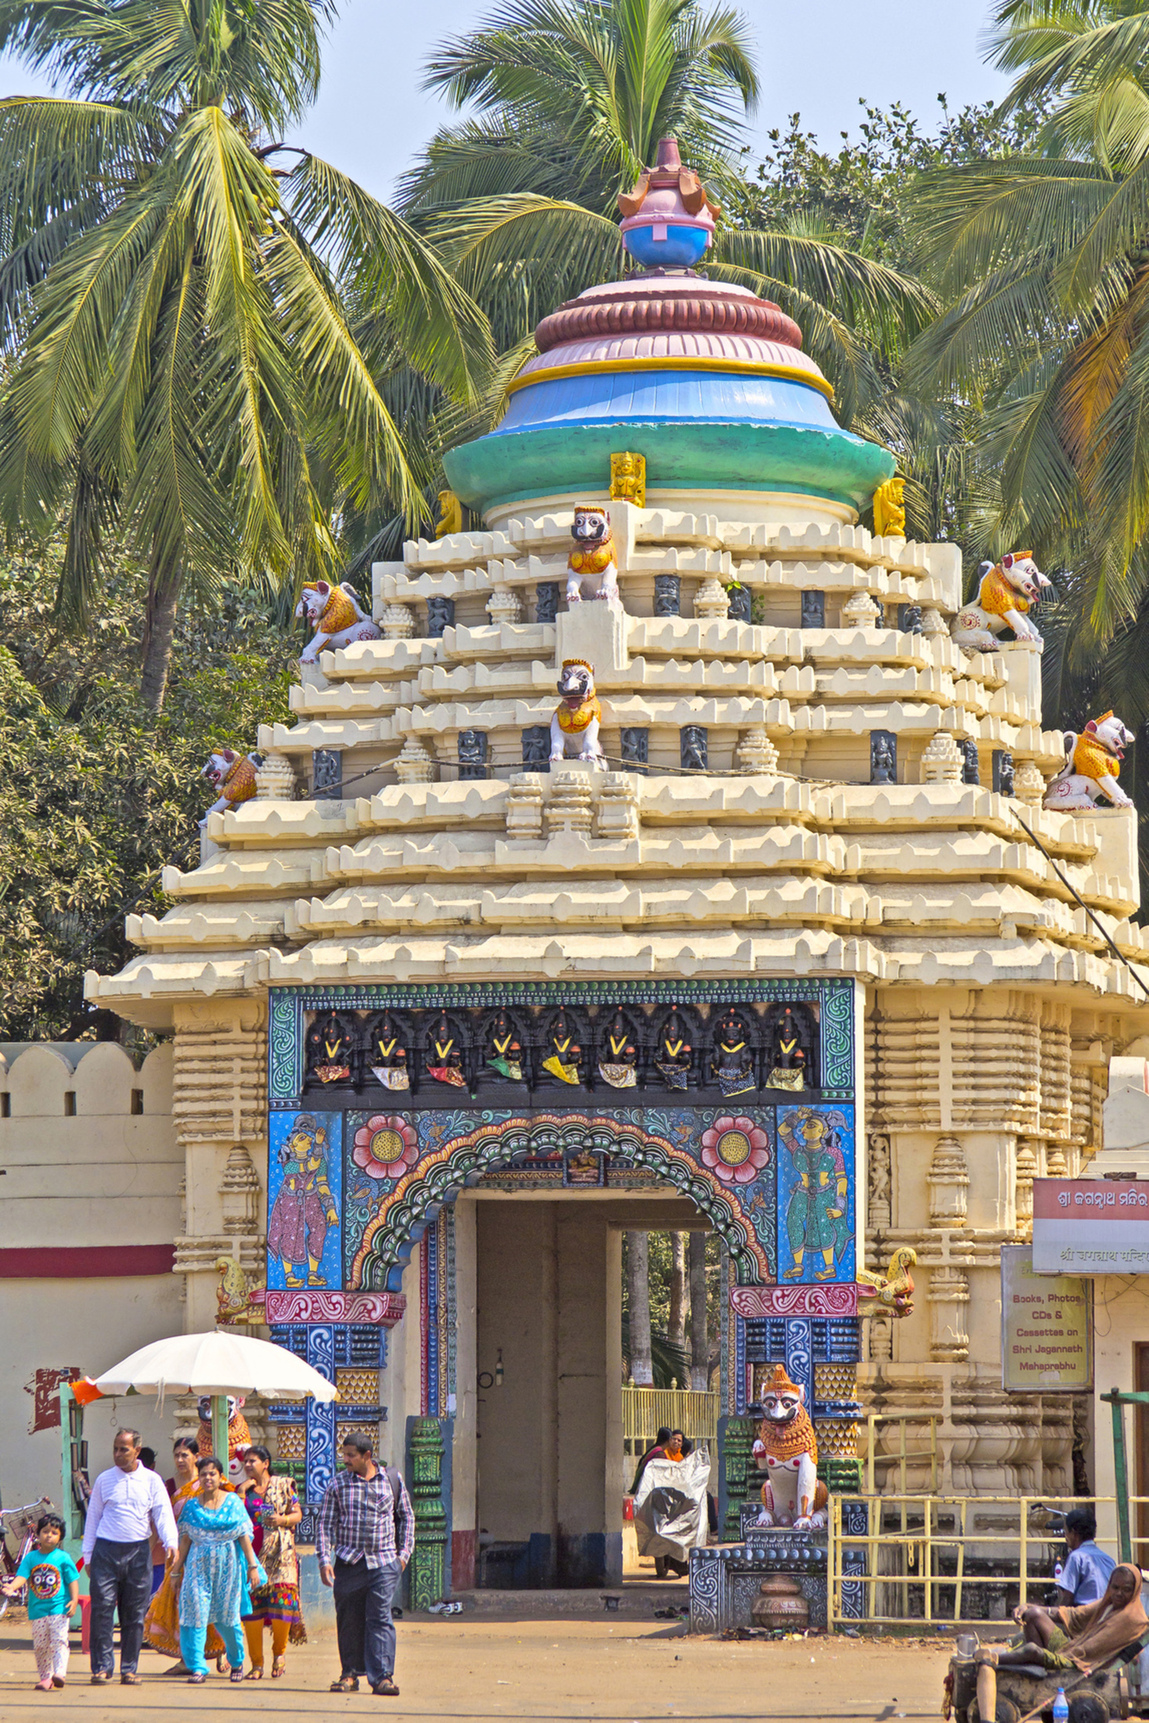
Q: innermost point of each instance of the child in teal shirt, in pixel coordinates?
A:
(53, 1583)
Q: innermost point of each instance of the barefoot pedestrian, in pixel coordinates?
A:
(364, 1541)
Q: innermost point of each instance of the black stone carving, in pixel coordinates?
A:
(326, 774)
(546, 600)
(910, 618)
(883, 757)
(635, 748)
(969, 771)
(508, 1052)
(739, 597)
(472, 753)
(813, 609)
(537, 748)
(694, 748)
(440, 615)
(1002, 772)
(667, 595)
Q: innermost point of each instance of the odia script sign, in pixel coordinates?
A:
(1046, 1328)
(1091, 1226)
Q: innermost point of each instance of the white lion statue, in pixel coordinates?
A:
(592, 554)
(1092, 761)
(1006, 590)
(579, 714)
(337, 616)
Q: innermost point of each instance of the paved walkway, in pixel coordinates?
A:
(475, 1668)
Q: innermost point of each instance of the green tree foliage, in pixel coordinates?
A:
(197, 331)
(572, 99)
(97, 796)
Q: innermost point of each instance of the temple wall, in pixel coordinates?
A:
(89, 1207)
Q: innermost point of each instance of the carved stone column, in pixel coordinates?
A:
(948, 1183)
(948, 1297)
(427, 1574)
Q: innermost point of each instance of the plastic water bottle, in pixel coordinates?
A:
(1060, 1707)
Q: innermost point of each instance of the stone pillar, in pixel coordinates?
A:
(427, 1572)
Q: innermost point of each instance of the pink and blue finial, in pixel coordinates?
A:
(667, 220)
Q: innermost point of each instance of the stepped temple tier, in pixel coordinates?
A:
(760, 928)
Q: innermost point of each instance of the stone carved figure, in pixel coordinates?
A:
(674, 1053)
(579, 714)
(883, 757)
(1092, 762)
(1006, 592)
(450, 514)
(694, 748)
(387, 1055)
(892, 1293)
(233, 776)
(546, 600)
(592, 555)
(336, 613)
(628, 478)
(786, 1449)
(667, 594)
(304, 1208)
(440, 615)
(502, 1049)
(472, 753)
(789, 1063)
(329, 1050)
(733, 1058)
(444, 1056)
(563, 1052)
(618, 1054)
(890, 509)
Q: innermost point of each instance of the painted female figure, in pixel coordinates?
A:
(817, 1217)
(304, 1208)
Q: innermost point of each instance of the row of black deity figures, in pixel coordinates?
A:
(735, 1051)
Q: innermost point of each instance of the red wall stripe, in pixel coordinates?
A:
(85, 1262)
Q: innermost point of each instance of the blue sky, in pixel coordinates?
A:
(818, 56)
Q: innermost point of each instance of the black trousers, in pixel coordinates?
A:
(363, 1624)
(120, 1579)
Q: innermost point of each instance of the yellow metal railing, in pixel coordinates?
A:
(931, 1559)
(645, 1410)
(900, 1456)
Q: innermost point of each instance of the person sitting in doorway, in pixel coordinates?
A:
(1086, 1574)
(1067, 1639)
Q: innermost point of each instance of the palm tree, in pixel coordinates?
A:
(196, 329)
(1044, 262)
(572, 97)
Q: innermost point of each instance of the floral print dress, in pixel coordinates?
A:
(278, 1600)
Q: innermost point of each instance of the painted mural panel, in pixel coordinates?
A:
(305, 1186)
(816, 1176)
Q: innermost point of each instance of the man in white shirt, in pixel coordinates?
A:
(127, 1503)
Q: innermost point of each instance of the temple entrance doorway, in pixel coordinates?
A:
(543, 1461)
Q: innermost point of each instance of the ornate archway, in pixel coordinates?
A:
(725, 1191)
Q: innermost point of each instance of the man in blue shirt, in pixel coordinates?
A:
(1086, 1574)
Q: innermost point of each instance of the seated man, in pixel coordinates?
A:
(1058, 1639)
(1086, 1574)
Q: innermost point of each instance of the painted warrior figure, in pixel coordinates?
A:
(563, 1051)
(788, 1069)
(388, 1056)
(238, 1434)
(816, 1216)
(304, 1208)
(674, 1054)
(503, 1050)
(619, 1064)
(444, 1058)
(733, 1059)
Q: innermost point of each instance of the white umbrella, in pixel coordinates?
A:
(216, 1364)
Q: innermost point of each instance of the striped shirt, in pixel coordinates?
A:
(360, 1520)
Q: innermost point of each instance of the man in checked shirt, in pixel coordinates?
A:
(367, 1524)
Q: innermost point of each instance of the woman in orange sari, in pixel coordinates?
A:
(162, 1622)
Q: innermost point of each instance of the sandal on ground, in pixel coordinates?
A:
(58, 1681)
(255, 1673)
(101, 1678)
(345, 1684)
(236, 1674)
(278, 1668)
(386, 1689)
(130, 1679)
(196, 1680)
(221, 1664)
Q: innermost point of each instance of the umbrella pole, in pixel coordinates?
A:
(219, 1429)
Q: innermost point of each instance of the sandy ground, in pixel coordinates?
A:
(624, 1671)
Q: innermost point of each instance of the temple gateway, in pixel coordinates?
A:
(767, 933)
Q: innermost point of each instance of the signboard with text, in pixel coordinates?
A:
(1091, 1226)
(1046, 1328)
